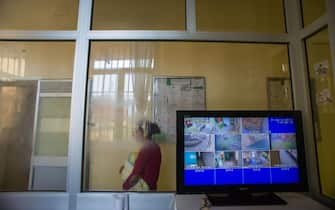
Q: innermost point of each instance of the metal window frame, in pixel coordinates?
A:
(72, 199)
(37, 160)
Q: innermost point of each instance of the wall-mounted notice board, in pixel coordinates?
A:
(176, 93)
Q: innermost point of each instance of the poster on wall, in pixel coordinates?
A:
(279, 93)
(176, 93)
(322, 69)
(324, 94)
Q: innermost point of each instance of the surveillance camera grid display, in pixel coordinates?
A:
(230, 151)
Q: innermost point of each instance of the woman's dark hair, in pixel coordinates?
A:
(148, 128)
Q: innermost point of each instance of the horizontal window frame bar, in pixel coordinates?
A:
(34, 200)
(49, 161)
(188, 36)
(22, 35)
(55, 95)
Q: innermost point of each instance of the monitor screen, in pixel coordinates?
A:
(240, 150)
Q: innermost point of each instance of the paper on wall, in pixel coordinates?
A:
(322, 68)
(172, 94)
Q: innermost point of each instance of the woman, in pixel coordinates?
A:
(145, 171)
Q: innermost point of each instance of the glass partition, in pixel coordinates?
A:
(38, 14)
(35, 97)
(139, 15)
(53, 128)
(266, 16)
(312, 10)
(121, 92)
(321, 75)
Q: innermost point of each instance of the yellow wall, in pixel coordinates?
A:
(235, 79)
(240, 15)
(312, 9)
(139, 15)
(318, 51)
(43, 60)
(39, 14)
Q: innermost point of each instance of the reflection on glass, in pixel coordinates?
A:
(38, 14)
(123, 64)
(105, 84)
(16, 133)
(120, 94)
(53, 126)
(140, 171)
(139, 15)
(241, 15)
(128, 84)
(13, 65)
(35, 95)
(312, 10)
(321, 75)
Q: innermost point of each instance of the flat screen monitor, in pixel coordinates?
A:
(229, 151)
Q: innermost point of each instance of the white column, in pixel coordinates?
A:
(191, 25)
(78, 104)
(300, 83)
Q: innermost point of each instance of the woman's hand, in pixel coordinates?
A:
(121, 169)
(131, 182)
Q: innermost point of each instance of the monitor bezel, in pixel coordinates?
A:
(302, 186)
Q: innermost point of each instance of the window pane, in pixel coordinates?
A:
(312, 10)
(241, 15)
(321, 73)
(121, 93)
(39, 14)
(139, 15)
(35, 96)
(53, 126)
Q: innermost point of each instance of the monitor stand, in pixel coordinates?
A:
(245, 198)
